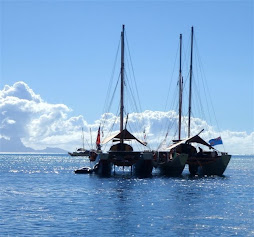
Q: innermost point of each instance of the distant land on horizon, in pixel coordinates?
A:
(15, 145)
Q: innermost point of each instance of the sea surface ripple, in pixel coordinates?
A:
(41, 196)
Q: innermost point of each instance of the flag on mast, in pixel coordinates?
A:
(98, 140)
(215, 141)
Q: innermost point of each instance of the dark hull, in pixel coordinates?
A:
(124, 158)
(85, 170)
(208, 165)
(173, 167)
(141, 162)
(144, 166)
(104, 168)
(78, 153)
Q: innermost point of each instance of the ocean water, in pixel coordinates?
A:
(40, 195)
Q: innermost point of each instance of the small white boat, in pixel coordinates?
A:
(84, 170)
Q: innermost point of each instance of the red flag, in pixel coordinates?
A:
(98, 140)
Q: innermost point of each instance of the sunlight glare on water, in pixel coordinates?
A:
(41, 195)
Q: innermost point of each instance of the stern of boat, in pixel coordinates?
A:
(104, 165)
(144, 165)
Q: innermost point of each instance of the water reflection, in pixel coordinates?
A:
(122, 205)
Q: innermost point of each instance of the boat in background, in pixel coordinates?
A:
(93, 157)
(80, 151)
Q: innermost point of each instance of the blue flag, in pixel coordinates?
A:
(215, 141)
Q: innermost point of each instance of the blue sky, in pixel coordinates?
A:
(65, 51)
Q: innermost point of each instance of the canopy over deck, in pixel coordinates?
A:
(125, 135)
(194, 139)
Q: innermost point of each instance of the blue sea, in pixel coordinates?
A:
(40, 195)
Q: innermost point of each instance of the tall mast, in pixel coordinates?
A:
(190, 89)
(122, 83)
(180, 91)
(83, 143)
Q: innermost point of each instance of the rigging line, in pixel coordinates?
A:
(132, 102)
(185, 89)
(209, 95)
(112, 125)
(131, 89)
(175, 125)
(204, 89)
(174, 135)
(202, 79)
(137, 106)
(176, 57)
(111, 101)
(112, 76)
(137, 123)
(170, 125)
(162, 141)
(138, 136)
(174, 97)
(198, 101)
(109, 88)
(186, 57)
(203, 84)
(184, 61)
(165, 128)
(132, 95)
(185, 122)
(134, 77)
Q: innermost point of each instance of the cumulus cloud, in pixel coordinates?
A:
(25, 115)
(20, 90)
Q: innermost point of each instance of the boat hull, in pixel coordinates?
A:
(140, 161)
(144, 166)
(84, 170)
(78, 153)
(208, 165)
(104, 166)
(174, 166)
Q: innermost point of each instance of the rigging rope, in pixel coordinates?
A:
(131, 92)
(111, 78)
(133, 74)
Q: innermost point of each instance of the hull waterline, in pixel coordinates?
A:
(173, 167)
(209, 166)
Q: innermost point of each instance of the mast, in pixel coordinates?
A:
(190, 89)
(82, 136)
(91, 138)
(180, 91)
(122, 83)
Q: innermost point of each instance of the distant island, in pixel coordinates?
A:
(15, 145)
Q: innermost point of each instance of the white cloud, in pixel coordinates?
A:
(24, 114)
(20, 90)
